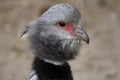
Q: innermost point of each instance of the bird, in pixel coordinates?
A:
(55, 38)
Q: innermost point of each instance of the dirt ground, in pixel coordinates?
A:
(97, 61)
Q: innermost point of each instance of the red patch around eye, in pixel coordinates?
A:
(65, 26)
(68, 27)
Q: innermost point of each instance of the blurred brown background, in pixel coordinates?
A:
(100, 60)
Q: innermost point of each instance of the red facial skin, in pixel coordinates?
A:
(67, 27)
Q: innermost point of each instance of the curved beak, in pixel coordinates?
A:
(81, 34)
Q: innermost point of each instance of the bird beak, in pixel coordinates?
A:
(81, 34)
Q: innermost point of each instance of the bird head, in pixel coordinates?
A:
(56, 35)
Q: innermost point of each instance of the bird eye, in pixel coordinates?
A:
(62, 24)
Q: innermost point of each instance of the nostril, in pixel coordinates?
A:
(80, 32)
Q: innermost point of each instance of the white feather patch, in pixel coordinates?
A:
(33, 76)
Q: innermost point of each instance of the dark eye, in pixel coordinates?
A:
(62, 24)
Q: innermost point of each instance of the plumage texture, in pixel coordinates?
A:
(48, 71)
(51, 43)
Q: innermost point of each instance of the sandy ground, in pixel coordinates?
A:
(97, 61)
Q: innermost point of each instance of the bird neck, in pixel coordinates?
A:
(49, 71)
